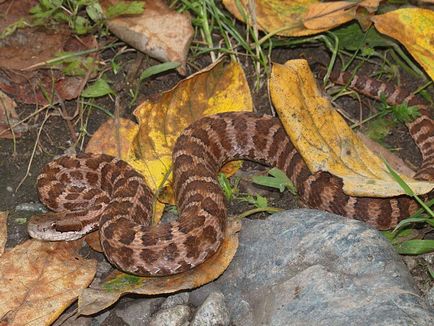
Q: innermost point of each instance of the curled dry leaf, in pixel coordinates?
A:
(38, 280)
(159, 31)
(93, 300)
(3, 231)
(219, 88)
(323, 138)
(414, 28)
(301, 17)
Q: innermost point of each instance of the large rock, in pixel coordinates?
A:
(306, 267)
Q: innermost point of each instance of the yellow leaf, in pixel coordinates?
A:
(118, 284)
(298, 17)
(414, 28)
(39, 280)
(323, 138)
(219, 88)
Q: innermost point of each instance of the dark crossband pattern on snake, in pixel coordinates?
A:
(98, 191)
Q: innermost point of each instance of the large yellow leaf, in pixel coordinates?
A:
(38, 280)
(323, 138)
(299, 17)
(413, 27)
(219, 88)
(118, 284)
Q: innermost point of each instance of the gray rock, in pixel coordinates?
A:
(173, 316)
(306, 267)
(137, 312)
(176, 299)
(212, 312)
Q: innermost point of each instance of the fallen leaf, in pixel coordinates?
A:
(113, 137)
(93, 300)
(159, 31)
(323, 138)
(20, 61)
(25, 71)
(3, 231)
(93, 240)
(300, 17)
(414, 28)
(219, 88)
(39, 280)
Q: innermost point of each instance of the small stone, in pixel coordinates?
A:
(31, 207)
(138, 312)
(212, 312)
(176, 299)
(173, 316)
(9, 189)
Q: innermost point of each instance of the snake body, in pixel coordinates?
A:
(94, 191)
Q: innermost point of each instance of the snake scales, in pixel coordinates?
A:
(91, 191)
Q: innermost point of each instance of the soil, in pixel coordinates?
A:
(30, 153)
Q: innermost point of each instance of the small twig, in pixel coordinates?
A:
(47, 115)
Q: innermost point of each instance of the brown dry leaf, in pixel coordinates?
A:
(9, 117)
(113, 137)
(299, 17)
(414, 28)
(159, 31)
(93, 300)
(323, 138)
(3, 231)
(30, 48)
(93, 240)
(39, 280)
(219, 88)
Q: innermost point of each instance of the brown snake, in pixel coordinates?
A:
(95, 191)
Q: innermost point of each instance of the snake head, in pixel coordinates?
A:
(51, 227)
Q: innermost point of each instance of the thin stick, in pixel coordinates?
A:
(47, 115)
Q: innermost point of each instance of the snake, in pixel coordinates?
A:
(90, 191)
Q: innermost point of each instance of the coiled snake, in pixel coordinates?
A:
(95, 191)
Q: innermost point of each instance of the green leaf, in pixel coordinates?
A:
(352, 38)
(415, 247)
(404, 113)
(279, 180)
(261, 202)
(225, 185)
(95, 12)
(81, 25)
(97, 89)
(125, 8)
(158, 69)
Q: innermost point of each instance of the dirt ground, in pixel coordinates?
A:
(20, 163)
